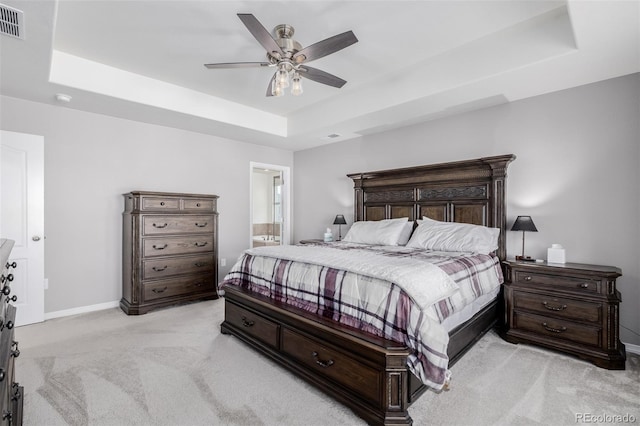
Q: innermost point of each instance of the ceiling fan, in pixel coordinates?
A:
(289, 57)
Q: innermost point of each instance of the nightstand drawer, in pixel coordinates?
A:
(558, 307)
(557, 328)
(556, 282)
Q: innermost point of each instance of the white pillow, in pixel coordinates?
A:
(405, 234)
(384, 232)
(451, 236)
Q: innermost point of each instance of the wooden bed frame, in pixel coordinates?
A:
(367, 373)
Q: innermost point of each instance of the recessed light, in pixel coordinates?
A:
(61, 97)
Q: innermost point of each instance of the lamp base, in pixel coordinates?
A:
(525, 259)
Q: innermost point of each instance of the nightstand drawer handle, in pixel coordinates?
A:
(197, 244)
(554, 330)
(528, 278)
(554, 308)
(159, 269)
(159, 290)
(160, 247)
(201, 225)
(584, 285)
(164, 225)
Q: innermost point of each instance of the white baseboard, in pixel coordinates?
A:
(634, 349)
(81, 310)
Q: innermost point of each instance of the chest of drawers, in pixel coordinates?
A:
(11, 393)
(170, 250)
(569, 307)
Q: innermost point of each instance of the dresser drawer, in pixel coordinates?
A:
(252, 324)
(158, 289)
(333, 364)
(555, 282)
(557, 328)
(177, 245)
(154, 225)
(558, 307)
(160, 268)
(194, 204)
(160, 203)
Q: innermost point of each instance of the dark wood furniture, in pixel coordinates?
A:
(366, 373)
(569, 307)
(11, 393)
(170, 250)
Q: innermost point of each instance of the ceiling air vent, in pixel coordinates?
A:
(11, 22)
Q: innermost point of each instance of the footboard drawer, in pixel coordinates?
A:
(333, 364)
(255, 325)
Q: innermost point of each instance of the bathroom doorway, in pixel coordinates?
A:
(269, 205)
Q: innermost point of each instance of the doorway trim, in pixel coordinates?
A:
(286, 199)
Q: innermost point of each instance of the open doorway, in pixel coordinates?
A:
(269, 205)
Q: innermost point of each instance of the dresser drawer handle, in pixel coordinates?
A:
(2, 374)
(201, 264)
(554, 330)
(197, 244)
(12, 265)
(199, 284)
(323, 364)
(247, 323)
(15, 352)
(197, 204)
(13, 298)
(528, 278)
(554, 308)
(164, 225)
(159, 290)
(6, 290)
(160, 248)
(158, 269)
(584, 285)
(201, 225)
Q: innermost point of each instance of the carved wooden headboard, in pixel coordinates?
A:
(471, 191)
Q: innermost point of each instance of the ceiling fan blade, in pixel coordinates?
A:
(325, 47)
(261, 34)
(322, 76)
(237, 65)
(270, 87)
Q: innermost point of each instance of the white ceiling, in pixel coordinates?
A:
(415, 60)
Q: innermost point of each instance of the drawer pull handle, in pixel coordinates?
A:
(197, 204)
(554, 308)
(528, 278)
(10, 277)
(159, 290)
(201, 264)
(584, 285)
(2, 374)
(9, 325)
(164, 225)
(323, 364)
(13, 298)
(158, 269)
(6, 290)
(197, 244)
(201, 225)
(12, 265)
(7, 415)
(553, 330)
(15, 353)
(247, 323)
(160, 248)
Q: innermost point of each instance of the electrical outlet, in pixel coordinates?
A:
(223, 262)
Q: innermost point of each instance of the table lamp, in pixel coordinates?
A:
(524, 224)
(339, 220)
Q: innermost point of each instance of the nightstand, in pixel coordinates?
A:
(569, 307)
(311, 241)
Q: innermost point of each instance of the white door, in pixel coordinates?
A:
(22, 219)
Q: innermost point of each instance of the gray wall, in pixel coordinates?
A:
(91, 159)
(576, 174)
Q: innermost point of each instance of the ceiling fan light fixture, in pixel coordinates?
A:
(276, 88)
(296, 85)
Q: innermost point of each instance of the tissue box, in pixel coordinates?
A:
(555, 254)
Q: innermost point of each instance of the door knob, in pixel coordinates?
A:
(35, 238)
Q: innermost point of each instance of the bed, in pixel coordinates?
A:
(375, 373)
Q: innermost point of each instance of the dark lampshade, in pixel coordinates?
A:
(524, 223)
(339, 220)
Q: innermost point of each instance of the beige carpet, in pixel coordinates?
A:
(173, 367)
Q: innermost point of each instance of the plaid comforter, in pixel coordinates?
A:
(385, 302)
